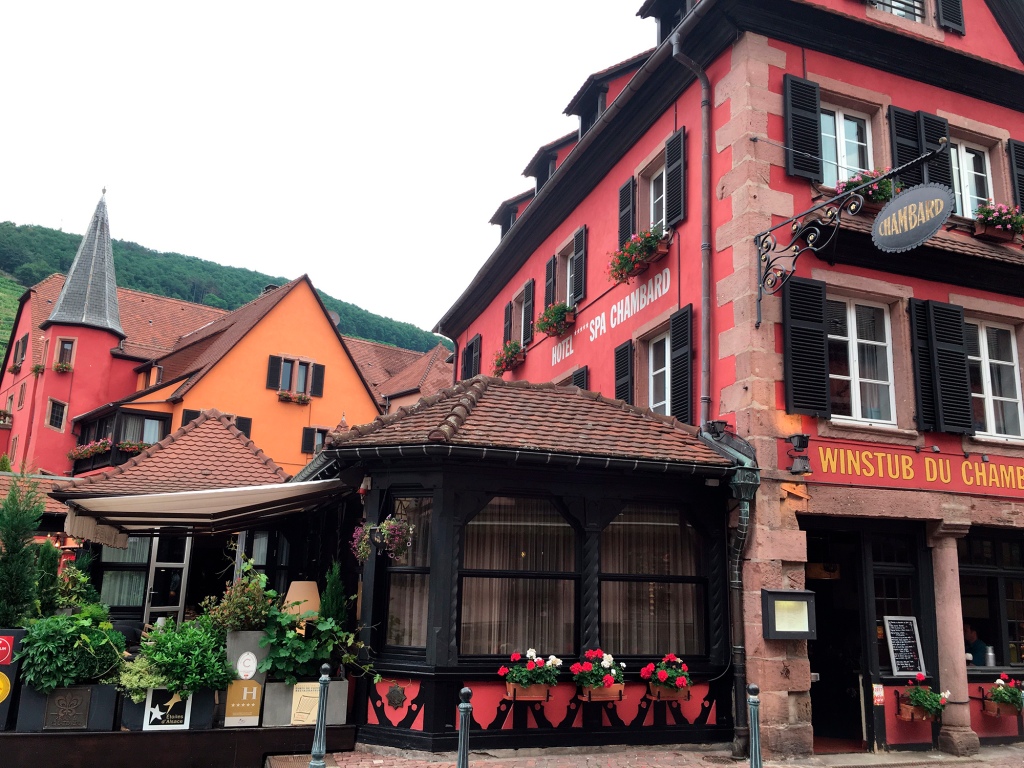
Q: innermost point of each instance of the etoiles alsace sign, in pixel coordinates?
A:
(842, 463)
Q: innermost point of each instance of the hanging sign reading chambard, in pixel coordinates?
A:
(912, 217)
(904, 645)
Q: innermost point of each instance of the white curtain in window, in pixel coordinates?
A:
(409, 592)
(123, 588)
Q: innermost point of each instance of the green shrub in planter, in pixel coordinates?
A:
(188, 656)
(60, 651)
(20, 513)
(245, 604)
(138, 676)
(47, 558)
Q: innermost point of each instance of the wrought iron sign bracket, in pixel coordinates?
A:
(814, 230)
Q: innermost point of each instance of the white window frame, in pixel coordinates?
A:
(958, 149)
(986, 378)
(844, 167)
(666, 371)
(653, 219)
(854, 362)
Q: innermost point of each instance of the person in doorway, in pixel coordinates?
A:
(974, 645)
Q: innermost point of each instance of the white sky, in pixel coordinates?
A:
(365, 143)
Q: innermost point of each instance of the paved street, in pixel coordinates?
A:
(661, 757)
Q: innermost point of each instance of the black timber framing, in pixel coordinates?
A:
(791, 21)
(589, 500)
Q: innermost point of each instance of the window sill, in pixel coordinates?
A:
(1012, 446)
(866, 430)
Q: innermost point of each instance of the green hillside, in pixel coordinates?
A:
(31, 253)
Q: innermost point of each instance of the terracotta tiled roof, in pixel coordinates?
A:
(426, 376)
(208, 452)
(379, 362)
(151, 323)
(486, 412)
(50, 506)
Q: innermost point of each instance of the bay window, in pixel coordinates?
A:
(409, 579)
(519, 579)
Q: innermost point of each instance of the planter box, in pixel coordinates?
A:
(567, 323)
(660, 693)
(79, 708)
(998, 709)
(284, 704)
(984, 231)
(911, 713)
(538, 692)
(239, 646)
(659, 253)
(611, 693)
(10, 644)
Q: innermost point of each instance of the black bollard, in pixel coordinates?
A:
(320, 731)
(754, 704)
(465, 712)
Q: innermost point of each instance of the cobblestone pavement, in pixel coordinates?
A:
(662, 757)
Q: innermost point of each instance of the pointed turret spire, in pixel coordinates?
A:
(89, 296)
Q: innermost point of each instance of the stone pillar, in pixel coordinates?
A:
(955, 735)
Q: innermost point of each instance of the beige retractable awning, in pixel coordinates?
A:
(110, 519)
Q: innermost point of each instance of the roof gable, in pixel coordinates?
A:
(426, 375)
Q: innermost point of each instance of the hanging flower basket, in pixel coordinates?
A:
(15, 369)
(636, 255)
(512, 355)
(556, 319)
(392, 537)
(613, 692)
(38, 368)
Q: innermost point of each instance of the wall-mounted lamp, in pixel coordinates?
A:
(788, 614)
(364, 488)
(801, 463)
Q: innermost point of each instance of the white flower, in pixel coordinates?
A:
(607, 660)
(554, 661)
(1000, 682)
(606, 664)
(945, 694)
(531, 654)
(622, 664)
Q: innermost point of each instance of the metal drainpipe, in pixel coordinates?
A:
(705, 225)
(744, 485)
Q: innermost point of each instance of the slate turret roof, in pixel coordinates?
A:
(89, 296)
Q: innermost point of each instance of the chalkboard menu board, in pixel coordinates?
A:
(904, 645)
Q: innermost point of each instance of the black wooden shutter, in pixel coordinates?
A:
(467, 356)
(675, 178)
(805, 348)
(624, 372)
(188, 415)
(802, 105)
(951, 15)
(1017, 170)
(506, 334)
(627, 219)
(274, 372)
(550, 273)
(579, 266)
(924, 378)
(528, 313)
(308, 440)
(316, 385)
(244, 424)
(906, 143)
(953, 407)
(580, 378)
(475, 362)
(932, 129)
(681, 370)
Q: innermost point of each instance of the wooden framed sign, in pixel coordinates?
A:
(904, 645)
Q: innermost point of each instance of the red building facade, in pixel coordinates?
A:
(902, 369)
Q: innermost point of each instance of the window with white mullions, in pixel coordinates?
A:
(860, 361)
(845, 144)
(907, 9)
(658, 199)
(659, 389)
(995, 378)
(972, 182)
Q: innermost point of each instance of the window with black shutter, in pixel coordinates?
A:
(941, 375)
(627, 218)
(527, 314)
(624, 372)
(1017, 170)
(189, 415)
(578, 268)
(274, 372)
(950, 15)
(580, 378)
(244, 425)
(550, 276)
(308, 440)
(316, 386)
(914, 133)
(805, 347)
(802, 107)
(471, 358)
(506, 334)
(681, 376)
(675, 178)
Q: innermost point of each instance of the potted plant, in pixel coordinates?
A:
(510, 356)
(879, 192)
(284, 397)
(668, 679)
(297, 644)
(920, 702)
(60, 367)
(191, 662)
(533, 679)
(556, 319)
(132, 447)
(302, 398)
(392, 536)
(69, 665)
(1004, 698)
(636, 254)
(15, 368)
(88, 450)
(37, 369)
(998, 223)
(5, 416)
(599, 676)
